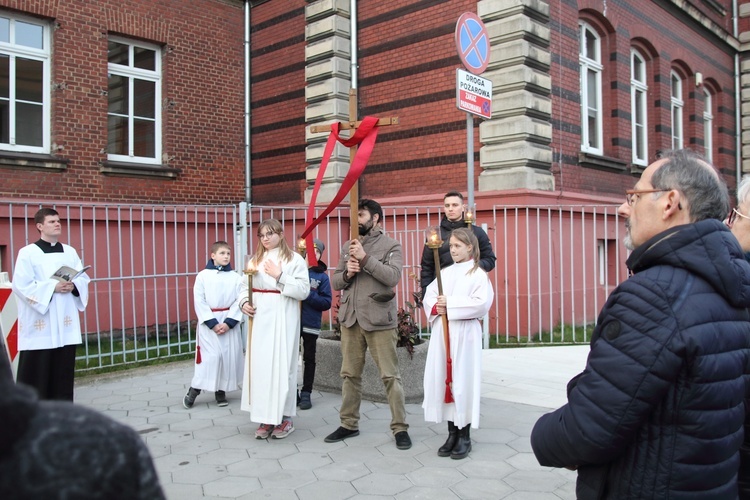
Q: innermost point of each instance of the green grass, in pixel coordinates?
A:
(561, 335)
(116, 355)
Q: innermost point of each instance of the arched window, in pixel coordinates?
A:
(590, 61)
(638, 104)
(677, 106)
(708, 123)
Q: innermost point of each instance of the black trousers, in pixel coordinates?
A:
(308, 356)
(49, 371)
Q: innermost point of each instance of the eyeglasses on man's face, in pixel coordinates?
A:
(630, 194)
(266, 235)
(733, 216)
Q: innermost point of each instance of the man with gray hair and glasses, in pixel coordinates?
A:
(739, 218)
(658, 411)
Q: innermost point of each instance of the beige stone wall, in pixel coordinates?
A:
(515, 150)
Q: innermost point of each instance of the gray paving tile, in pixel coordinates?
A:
(304, 461)
(434, 477)
(222, 457)
(382, 484)
(426, 493)
(254, 467)
(231, 487)
(327, 490)
(481, 489)
(341, 471)
(210, 452)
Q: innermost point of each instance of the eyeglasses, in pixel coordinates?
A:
(733, 216)
(266, 235)
(631, 193)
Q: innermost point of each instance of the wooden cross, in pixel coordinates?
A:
(353, 124)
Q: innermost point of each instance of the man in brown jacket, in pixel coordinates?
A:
(368, 270)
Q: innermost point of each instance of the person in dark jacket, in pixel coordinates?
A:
(56, 449)
(739, 223)
(313, 306)
(453, 219)
(658, 410)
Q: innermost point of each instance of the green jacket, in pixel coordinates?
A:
(369, 299)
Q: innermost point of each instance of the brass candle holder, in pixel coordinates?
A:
(434, 240)
(469, 217)
(302, 247)
(250, 270)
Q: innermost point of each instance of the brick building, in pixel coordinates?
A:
(140, 101)
(122, 101)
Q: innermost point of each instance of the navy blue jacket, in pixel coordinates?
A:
(658, 411)
(319, 299)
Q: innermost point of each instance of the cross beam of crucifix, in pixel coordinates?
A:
(353, 124)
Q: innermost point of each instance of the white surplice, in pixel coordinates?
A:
(47, 320)
(222, 361)
(274, 344)
(469, 297)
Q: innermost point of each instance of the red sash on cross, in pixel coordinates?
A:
(364, 136)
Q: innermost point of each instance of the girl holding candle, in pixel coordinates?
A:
(467, 296)
(278, 287)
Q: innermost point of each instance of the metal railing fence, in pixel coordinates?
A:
(555, 265)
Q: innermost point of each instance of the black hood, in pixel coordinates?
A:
(707, 249)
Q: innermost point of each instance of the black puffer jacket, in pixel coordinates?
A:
(658, 411)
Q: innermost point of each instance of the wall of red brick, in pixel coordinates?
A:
(407, 63)
(202, 61)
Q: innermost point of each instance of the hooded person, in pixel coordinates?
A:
(663, 394)
(313, 307)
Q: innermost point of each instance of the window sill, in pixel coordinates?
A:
(637, 169)
(33, 161)
(602, 162)
(124, 169)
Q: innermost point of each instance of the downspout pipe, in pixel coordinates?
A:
(353, 42)
(248, 100)
(737, 96)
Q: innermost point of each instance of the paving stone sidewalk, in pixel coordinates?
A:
(211, 452)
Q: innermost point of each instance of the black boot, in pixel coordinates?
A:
(445, 450)
(463, 445)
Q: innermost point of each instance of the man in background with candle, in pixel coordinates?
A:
(368, 270)
(453, 203)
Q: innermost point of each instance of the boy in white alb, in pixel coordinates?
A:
(49, 328)
(219, 360)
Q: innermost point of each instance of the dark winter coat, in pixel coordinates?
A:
(319, 299)
(658, 411)
(55, 449)
(486, 256)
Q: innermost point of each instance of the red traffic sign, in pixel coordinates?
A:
(473, 43)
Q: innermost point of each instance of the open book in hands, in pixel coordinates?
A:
(66, 274)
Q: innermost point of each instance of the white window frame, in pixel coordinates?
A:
(676, 108)
(14, 51)
(708, 125)
(590, 64)
(132, 72)
(639, 106)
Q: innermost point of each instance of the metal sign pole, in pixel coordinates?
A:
(470, 160)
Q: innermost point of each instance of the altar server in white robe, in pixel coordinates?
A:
(219, 359)
(467, 296)
(49, 327)
(280, 284)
